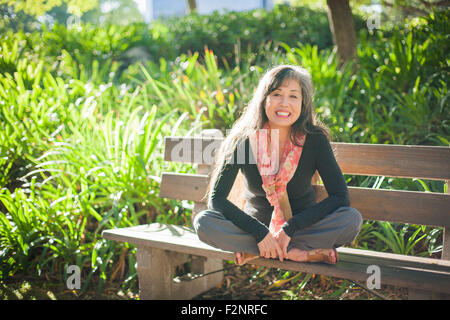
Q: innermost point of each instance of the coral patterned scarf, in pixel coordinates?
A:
(275, 180)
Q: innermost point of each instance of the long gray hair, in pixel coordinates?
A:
(254, 116)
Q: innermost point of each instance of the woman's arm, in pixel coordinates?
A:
(335, 185)
(220, 203)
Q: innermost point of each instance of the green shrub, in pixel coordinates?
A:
(234, 35)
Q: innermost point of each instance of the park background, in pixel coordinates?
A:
(88, 90)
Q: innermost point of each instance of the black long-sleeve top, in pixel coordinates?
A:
(255, 218)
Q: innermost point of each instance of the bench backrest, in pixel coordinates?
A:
(411, 207)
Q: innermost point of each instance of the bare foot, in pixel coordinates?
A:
(242, 258)
(316, 255)
(298, 255)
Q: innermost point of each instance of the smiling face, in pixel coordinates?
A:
(284, 105)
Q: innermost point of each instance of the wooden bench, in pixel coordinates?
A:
(162, 247)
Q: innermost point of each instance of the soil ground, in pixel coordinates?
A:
(240, 283)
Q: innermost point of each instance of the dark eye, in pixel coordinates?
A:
(295, 97)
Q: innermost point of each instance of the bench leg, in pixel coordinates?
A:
(153, 274)
(156, 268)
(201, 265)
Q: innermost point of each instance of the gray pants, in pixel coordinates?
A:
(336, 229)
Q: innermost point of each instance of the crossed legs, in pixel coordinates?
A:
(314, 243)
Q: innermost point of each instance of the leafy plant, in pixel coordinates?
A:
(401, 241)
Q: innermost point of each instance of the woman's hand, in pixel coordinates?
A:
(283, 240)
(269, 247)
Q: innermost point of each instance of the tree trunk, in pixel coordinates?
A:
(343, 30)
(192, 5)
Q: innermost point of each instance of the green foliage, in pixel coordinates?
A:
(40, 7)
(395, 240)
(78, 158)
(231, 36)
(223, 31)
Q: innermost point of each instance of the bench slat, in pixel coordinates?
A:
(183, 186)
(412, 272)
(424, 208)
(166, 237)
(191, 149)
(423, 162)
(392, 259)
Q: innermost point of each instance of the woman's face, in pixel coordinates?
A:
(283, 105)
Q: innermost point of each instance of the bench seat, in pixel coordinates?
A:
(398, 270)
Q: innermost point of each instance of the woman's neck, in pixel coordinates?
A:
(283, 134)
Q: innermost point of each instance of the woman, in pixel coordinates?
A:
(278, 144)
